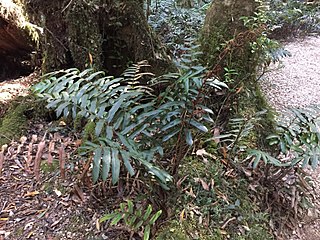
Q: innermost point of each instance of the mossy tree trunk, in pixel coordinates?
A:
(223, 24)
(110, 34)
(226, 44)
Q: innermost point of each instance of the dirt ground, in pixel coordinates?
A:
(296, 83)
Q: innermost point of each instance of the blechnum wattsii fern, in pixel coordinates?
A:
(296, 139)
(131, 122)
(298, 134)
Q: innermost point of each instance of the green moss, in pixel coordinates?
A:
(250, 102)
(224, 199)
(49, 168)
(186, 230)
(89, 132)
(13, 123)
(84, 33)
(14, 120)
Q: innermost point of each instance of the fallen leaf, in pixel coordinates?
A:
(204, 185)
(181, 180)
(31, 194)
(203, 152)
(29, 235)
(90, 58)
(98, 224)
(223, 232)
(190, 193)
(55, 223)
(65, 204)
(57, 192)
(182, 215)
(62, 124)
(212, 183)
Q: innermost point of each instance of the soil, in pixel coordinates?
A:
(296, 83)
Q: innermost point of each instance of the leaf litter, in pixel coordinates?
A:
(36, 200)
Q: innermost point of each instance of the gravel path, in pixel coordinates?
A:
(296, 83)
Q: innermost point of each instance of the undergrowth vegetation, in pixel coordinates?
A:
(200, 133)
(131, 121)
(290, 18)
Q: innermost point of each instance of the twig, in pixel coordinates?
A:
(227, 222)
(68, 5)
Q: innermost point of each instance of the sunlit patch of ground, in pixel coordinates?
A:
(12, 88)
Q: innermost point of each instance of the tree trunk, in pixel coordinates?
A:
(108, 34)
(222, 24)
(16, 43)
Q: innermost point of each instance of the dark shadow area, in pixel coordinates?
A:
(14, 67)
(15, 51)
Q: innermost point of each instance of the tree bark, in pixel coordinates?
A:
(108, 34)
(16, 43)
(222, 24)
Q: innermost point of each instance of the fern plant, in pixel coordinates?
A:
(298, 135)
(297, 138)
(131, 121)
(138, 220)
(234, 140)
(264, 49)
(295, 145)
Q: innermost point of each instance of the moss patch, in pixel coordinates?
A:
(13, 123)
(84, 33)
(207, 199)
(89, 132)
(49, 168)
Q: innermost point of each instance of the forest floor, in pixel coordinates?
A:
(296, 83)
(52, 208)
(49, 208)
